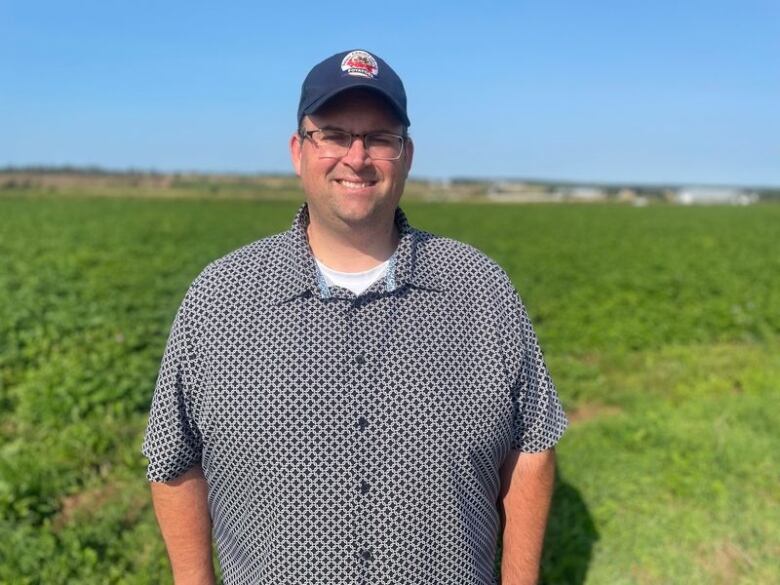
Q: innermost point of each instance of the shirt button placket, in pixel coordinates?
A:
(361, 377)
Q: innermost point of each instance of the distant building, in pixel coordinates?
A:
(590, 194)
(714, 196)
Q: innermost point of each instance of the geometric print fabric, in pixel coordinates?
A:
(351, 439)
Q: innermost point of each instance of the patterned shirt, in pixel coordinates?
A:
(351, 439)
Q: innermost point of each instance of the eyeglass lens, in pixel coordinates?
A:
(378, 145)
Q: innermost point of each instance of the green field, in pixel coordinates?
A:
(661, 326)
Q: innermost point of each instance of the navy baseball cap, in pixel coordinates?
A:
(348, 70)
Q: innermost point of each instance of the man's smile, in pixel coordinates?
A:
(355, 184)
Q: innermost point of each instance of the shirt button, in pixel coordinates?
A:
(362, 423)
(360, 359)
(364, 487)
(367, 556)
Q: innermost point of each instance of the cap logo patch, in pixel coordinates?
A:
(360, 64)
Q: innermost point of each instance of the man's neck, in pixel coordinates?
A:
(354, 250)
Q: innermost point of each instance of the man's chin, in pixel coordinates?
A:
(363, 214)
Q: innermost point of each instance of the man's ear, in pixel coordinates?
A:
(296, 145)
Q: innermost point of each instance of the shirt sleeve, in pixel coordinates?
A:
(172, 443)
(538, 420)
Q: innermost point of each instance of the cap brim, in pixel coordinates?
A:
(322, 100)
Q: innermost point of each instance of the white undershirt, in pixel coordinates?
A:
(357, 282)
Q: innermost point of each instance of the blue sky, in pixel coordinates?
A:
(625, 91)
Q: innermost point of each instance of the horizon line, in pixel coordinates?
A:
(103, 170)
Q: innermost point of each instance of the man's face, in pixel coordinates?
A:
(353, 191)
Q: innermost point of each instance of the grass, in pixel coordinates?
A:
(661, 327)
(680, 472)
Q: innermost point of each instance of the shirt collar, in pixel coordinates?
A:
(408, 265)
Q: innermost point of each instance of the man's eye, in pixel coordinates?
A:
(383, 140)
(333, 137)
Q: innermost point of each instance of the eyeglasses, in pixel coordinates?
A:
(336, 143)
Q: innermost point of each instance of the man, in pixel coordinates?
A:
(353, 401)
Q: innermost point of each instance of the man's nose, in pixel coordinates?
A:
(357, 155)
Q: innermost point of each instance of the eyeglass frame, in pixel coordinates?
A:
(304, 134)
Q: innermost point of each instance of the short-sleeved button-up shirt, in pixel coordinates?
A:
(351, 439)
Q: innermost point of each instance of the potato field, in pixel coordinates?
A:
(660, 325)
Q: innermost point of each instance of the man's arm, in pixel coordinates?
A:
(526, 490)
(182, 512)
